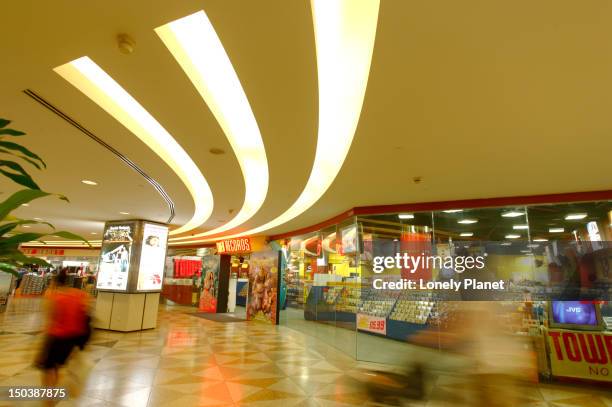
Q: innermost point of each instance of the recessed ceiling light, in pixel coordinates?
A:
(533, 246)
(506, 244)
(512, 214)
(84, 74)
(576, 216)
(453, 210)
(195, 45)
(37, 218)
(94, 233)
(556, 230)
(26, 226)
(525, 251)
(466, 234)
(467, 221)
(344, 34)
(89, 182)
(540, 240)
(512, 236)
(520, 227)
(124, 213)
(25, 204)
(395, 240)
(405, 216)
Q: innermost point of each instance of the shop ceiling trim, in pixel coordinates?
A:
(345, 31)
(193, 42)
(84, 74)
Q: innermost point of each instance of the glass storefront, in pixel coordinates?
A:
(532, 257)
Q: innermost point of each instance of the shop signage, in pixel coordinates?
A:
(43, 252)
(234, 245)
(584, 355)
(371, 323)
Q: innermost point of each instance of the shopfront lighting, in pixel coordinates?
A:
(540, 240)
(124, 213)
(89, 78)
(467, 221)
(506, 244)
(512, 214)
(466, 234)
(576, 216)
(513, 236)
(89, 182)
(405, 216)
(556, 230)
(453, 210)
(344, 32)
(520, 227)
(193, 42)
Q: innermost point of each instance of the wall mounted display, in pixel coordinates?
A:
(210, 284)
(349, 239)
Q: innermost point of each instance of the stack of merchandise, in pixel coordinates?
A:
(414, 311)
(378, 304)
(349, 300)
(32, 284)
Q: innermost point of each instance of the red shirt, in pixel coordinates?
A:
(68, 312)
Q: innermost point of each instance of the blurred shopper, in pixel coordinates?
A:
(67, 327)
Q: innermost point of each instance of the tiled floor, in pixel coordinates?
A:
(190, 361)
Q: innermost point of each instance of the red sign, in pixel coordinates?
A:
(43, 252)
(234, 245)
(586, 355)
(371, 323)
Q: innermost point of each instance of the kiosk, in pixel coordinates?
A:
(130, 275)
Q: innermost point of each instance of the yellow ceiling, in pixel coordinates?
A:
(480, 98)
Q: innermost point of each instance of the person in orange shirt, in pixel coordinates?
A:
(67, 327)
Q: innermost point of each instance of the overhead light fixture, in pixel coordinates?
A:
(520, 227)
(540, 240)
(94, 233)
(466, 234)
(512, 236)
(512, 214)
(525, 251)
(453, 210)
(124, 213)
(37, 218)
(405, 216)
(467, 221)
(576, 216)
(89, 78)
(344, 32)
(556, 230)
(195, 45)
(25, 204)
(533, 246)
(396, 240)
(89, 182)
(26, 226)
(506, 244)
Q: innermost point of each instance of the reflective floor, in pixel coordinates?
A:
(190, 361)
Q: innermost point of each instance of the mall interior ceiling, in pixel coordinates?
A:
(464, 100)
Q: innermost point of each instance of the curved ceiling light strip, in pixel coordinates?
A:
(193, 42)
(345, 31)
(89, 78)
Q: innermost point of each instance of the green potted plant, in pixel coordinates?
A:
(11, 153)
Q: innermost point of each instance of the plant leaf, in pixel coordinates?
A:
(18, 198)
(34, 163)
(71, 236)
(20, 238)
(14, 256)
(14, 146)
(23, 178)
(9, 268)
(11, 132)
(4, 122)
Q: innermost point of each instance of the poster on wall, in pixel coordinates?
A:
(349, 239)
(210, 284)
(263, 285)
(152, 257)
(115, 254)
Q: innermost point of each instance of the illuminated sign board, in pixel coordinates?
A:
(235, 245)
(152, 257)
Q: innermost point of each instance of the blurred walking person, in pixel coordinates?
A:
(67, 327)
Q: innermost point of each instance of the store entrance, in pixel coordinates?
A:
(238, 285)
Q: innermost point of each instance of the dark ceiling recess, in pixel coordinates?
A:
(95, 138)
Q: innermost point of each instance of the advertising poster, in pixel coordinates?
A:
(349, 239)
(263, 283)
(377, 325)
(152, 257)
(583, 355)
(210, 283)
(115, 254)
